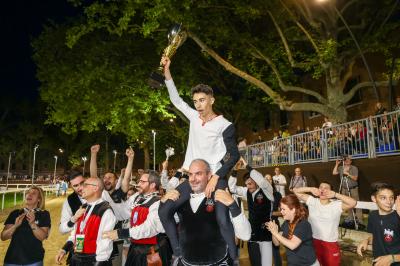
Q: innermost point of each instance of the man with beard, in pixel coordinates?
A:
(115, 195)
(90, 248)
(146, 232)
(200, 236)
(112, 193)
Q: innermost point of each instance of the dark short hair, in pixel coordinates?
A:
(208, 167)
(113, 174)
(378, 186)
(202, 88)
(73, 175)
(328, 183)
(246, 176)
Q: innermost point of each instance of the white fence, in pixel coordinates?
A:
(48, 189)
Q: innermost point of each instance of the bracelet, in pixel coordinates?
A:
(393, 259)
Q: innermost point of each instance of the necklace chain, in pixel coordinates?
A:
(208, 119)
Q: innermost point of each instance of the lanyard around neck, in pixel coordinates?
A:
(82, 225)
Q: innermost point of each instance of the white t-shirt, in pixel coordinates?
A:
(324, 219)
(281, 179)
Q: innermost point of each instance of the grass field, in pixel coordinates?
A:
(9, 199)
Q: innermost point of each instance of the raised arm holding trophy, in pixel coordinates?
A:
(211, 138)
(176, 37)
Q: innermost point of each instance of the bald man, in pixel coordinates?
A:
(90, 248)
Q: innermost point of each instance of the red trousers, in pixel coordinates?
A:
(328, 253)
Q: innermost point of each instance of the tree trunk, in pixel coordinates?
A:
(337, 115)
(336, 107)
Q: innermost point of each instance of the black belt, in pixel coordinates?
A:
(145, 248)
(224, 261)
(82, 257)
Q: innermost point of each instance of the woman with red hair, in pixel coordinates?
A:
(296, 233)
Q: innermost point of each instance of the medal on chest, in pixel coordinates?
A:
(259, 199)
(210, 205)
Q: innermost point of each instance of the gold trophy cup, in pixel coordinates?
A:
(176, 37)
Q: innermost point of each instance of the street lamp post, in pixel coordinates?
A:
(115, 158)
(34, 161)
(154, 149)
(84, 159)
(55, 168)
(63, 161)
(8, 168)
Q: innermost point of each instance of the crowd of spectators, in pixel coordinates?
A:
(351, 138)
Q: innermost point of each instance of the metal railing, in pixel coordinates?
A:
(371, 137)
(47, 189)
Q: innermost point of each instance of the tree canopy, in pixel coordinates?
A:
(101, 84)
(270, 44)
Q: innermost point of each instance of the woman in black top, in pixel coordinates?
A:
(296, 233)
(27, 228)
(275, 214)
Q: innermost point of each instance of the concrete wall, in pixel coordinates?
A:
(383, 169)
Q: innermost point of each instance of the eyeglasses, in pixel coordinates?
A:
(89, 184)
(143, 181)
(78, 185)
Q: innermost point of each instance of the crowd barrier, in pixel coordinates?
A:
(371, 137)
(47, 189)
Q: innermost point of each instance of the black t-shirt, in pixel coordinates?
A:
(385, 230)
(118, 195)
(24, 247)
(304, 254)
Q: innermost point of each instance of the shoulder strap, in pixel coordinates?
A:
(151, 201)
(101, 208)
(74, 202)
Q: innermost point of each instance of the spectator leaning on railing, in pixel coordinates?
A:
(379, 109)
(397, 105)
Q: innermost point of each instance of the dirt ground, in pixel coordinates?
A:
(55, 241)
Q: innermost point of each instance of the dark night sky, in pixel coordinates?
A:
(20, 21)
